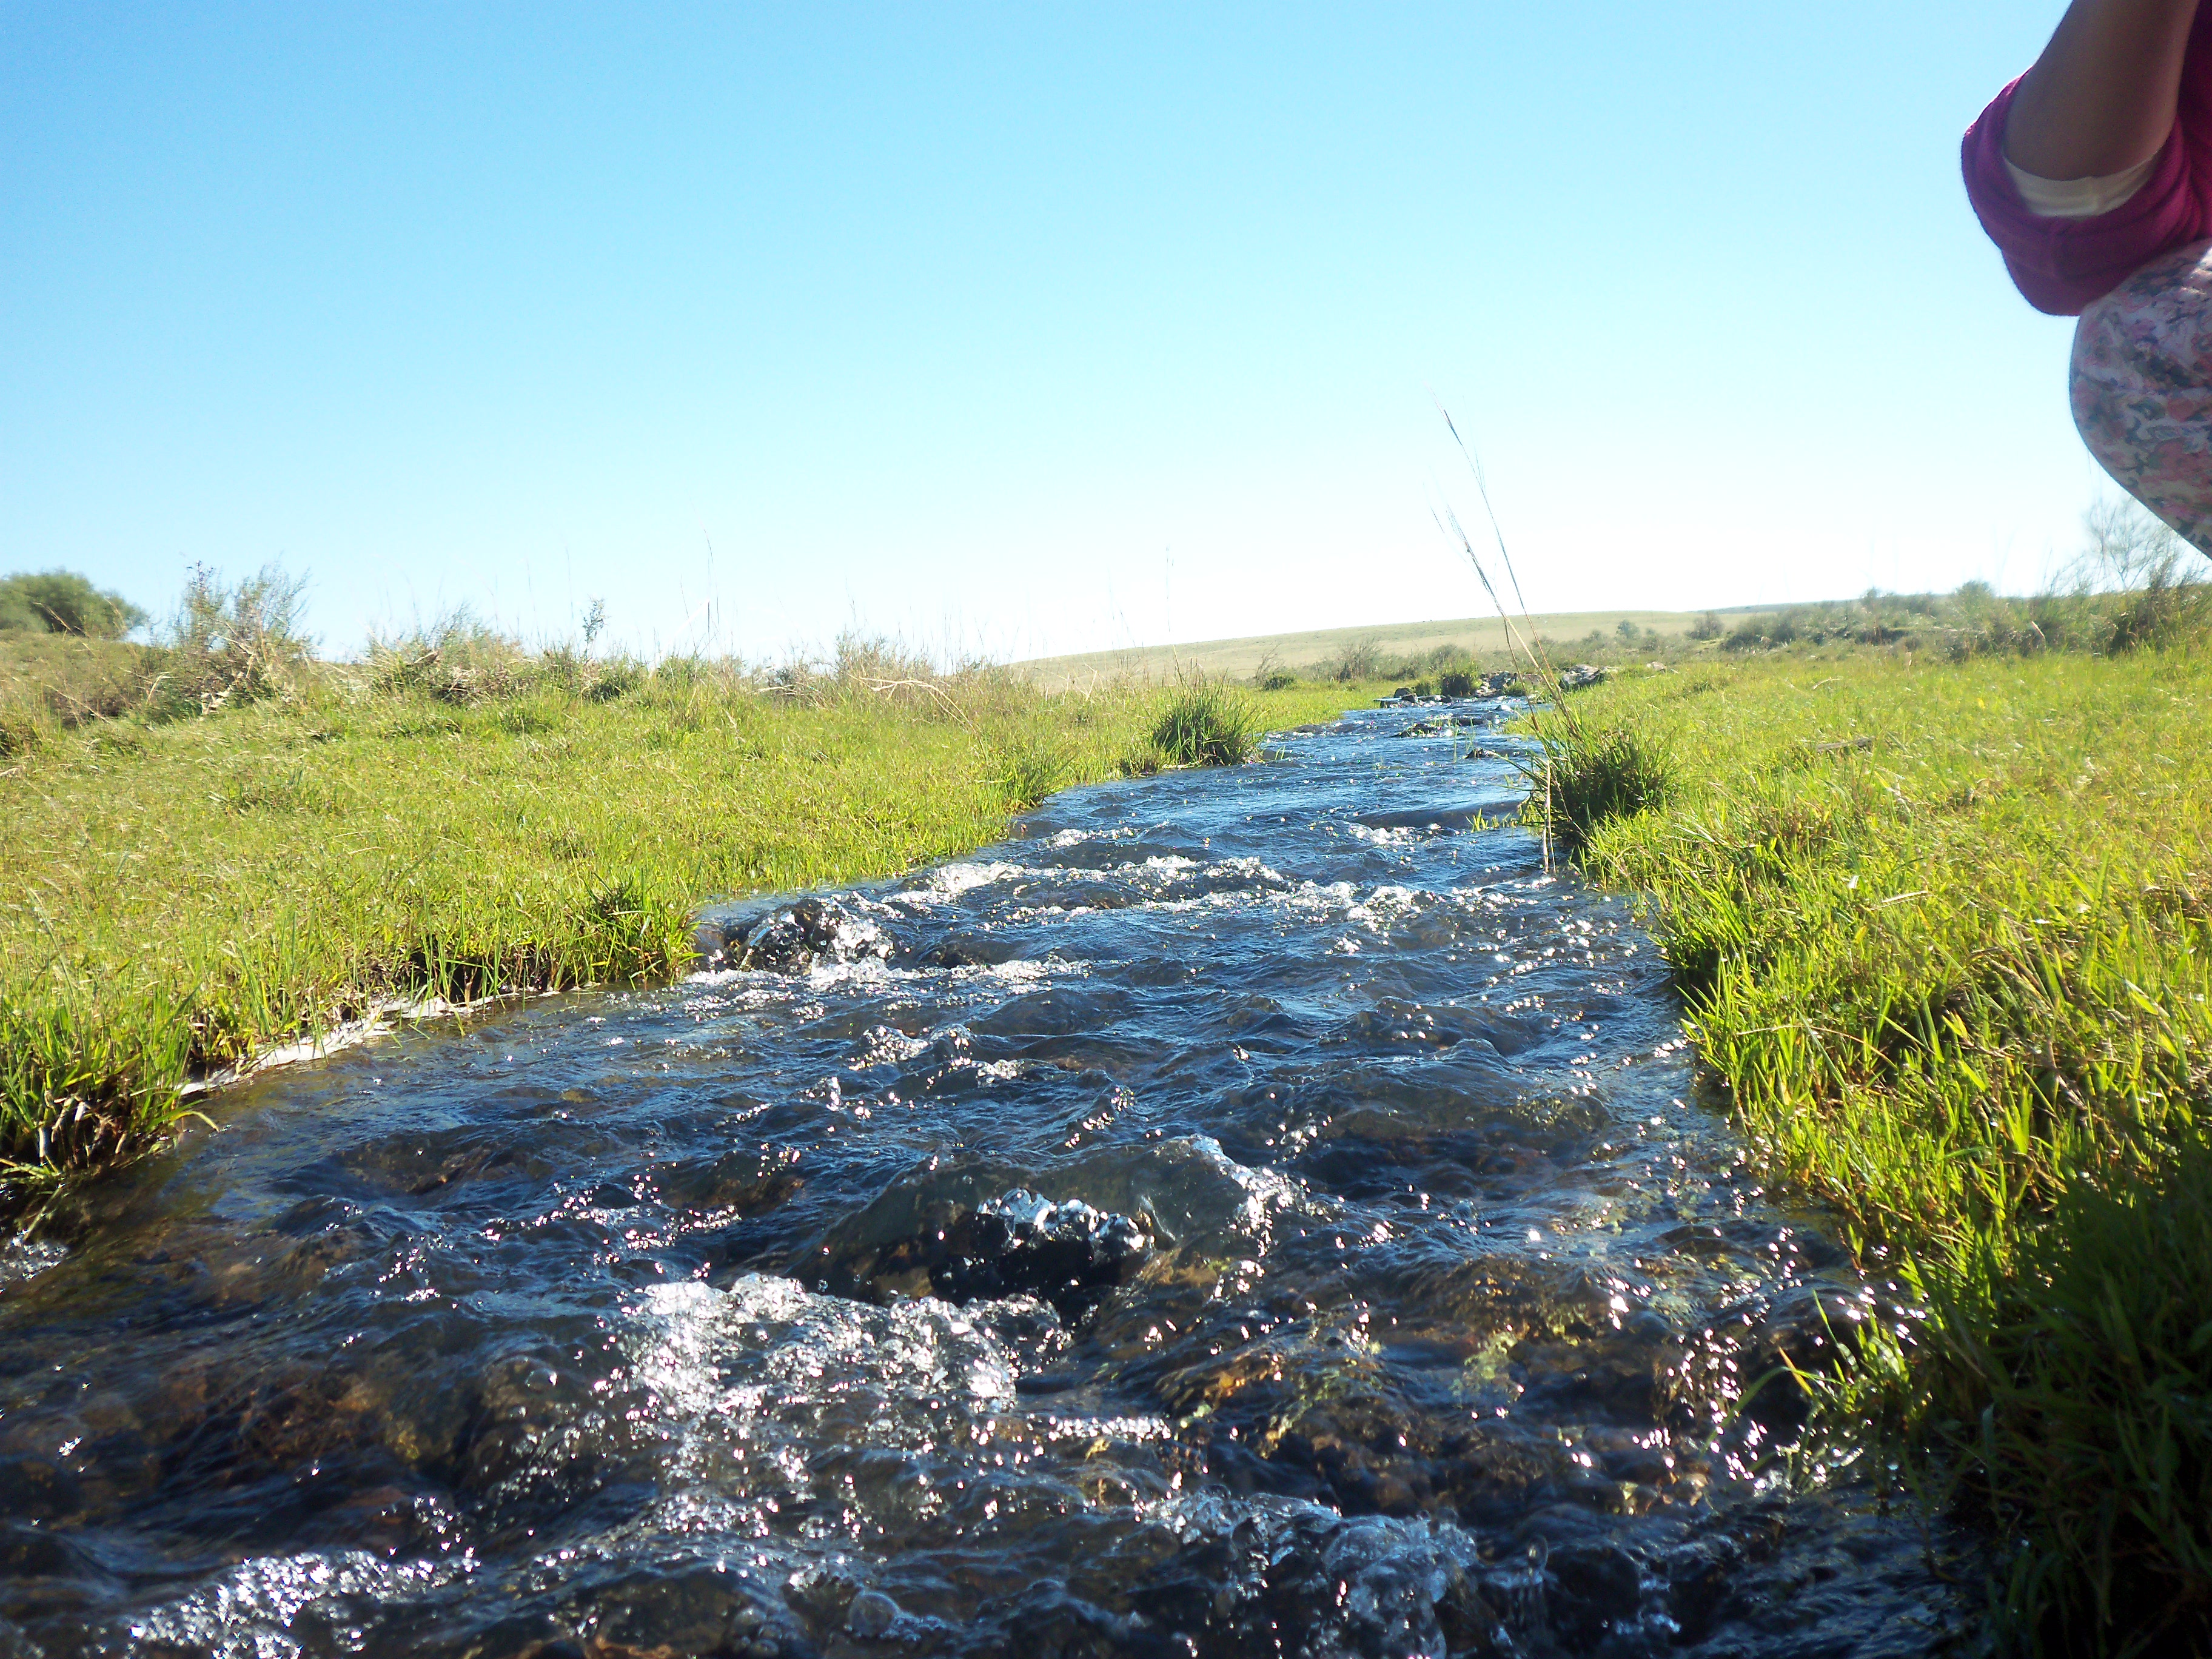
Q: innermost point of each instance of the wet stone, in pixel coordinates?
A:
(971, 950)
(1590, 1589)
(870, 1614)
(1067, 1254)
(811, 930)
(680, 1613)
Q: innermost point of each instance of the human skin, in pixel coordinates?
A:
(2101, 98)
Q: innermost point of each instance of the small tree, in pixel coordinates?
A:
(1361, 660)
(2139, 561)
(63, 602)
(1707, 626)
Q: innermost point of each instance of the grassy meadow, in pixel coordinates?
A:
(202, 874)
(1400, 651)
(1944, 920)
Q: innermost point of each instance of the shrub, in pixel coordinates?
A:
(1707, 626)
(1746, 635)
(1360, 659)
(21, 730)
(2138, 561)
(595, 679)
(458, 658)
(62, 602)
(879, 669)
(1424, 688)
(1279, 681)
(227, 644)
(1205, 724)
(682, 676)
(1459, 683)
(875, 660)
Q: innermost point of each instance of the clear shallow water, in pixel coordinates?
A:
(1249, 1212)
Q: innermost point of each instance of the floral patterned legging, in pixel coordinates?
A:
(2142, 387)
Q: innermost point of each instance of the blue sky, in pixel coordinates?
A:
(1025, 329)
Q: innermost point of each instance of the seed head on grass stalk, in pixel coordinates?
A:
(1587, 776)
(1531, 644)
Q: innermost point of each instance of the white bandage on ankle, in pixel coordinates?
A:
(2078, 198)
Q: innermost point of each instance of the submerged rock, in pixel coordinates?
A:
(972, 949)
(1067, 1254)
(1444, 724)
(812, 930)
(870, 1614)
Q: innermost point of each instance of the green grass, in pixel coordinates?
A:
(1585, 778)
(1205, 723)
(1945, 930)
(1389, 647)
(50, 682)
(190, 890)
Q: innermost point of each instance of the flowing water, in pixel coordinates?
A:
(1248, 1211)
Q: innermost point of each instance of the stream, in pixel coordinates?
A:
(1255, 1210)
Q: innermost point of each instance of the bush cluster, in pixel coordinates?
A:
(63, 602)
(2135, 584)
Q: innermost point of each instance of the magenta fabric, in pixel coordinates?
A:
(2064, 265)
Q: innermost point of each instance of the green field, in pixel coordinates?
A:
(1945, 932)
(1318, 650)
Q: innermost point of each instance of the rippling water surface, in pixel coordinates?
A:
(1248, 1211)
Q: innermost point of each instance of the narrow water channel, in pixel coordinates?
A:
(1248, 1212)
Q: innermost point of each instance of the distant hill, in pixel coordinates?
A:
(1240, 659)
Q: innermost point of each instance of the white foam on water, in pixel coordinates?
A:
(1251, 869)
(949, 881)
(22, 1259)
(758, 1362)
(248, 1611)
(1027, 972)
(1064, 839)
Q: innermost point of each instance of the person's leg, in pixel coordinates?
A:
(2101, 98)
(2143, 388)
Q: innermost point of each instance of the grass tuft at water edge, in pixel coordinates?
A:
(1205, 723)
